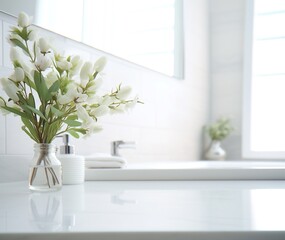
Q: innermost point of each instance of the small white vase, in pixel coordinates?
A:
(215, 151)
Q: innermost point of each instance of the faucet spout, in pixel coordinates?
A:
(119, 144)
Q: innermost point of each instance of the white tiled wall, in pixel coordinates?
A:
(166, 128)
(226, 71)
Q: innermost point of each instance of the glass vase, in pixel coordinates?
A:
(45, 169)
(215, 151)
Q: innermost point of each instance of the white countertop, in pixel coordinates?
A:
(213, 210)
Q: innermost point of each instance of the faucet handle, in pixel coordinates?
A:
(115, 145)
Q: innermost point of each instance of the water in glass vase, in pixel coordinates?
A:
(45, 178)
(45, 169)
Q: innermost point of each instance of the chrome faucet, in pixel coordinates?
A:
(115, 145)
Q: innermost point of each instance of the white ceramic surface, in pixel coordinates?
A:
(193, 170)
(208, 210)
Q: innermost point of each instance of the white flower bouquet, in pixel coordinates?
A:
(54, 94)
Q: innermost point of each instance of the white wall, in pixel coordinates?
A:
(167, 127)
(14, 6)
(226, 69)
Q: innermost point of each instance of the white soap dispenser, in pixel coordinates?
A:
(73, 166)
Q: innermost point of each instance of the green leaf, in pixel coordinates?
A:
(41, 87)
(56, 111)
(37, 79)
(29, 82)
(90, 84)
(16, 31)
(16, 111)
(24, 33)
(35, 50)
(95, 75)
(72, 117)
(73, 133)
(36, 111)
(27, 111)
(54, 87)
(17, 64)
(53, 129)
(29, 32)
(48, 132)
(28, 133)
(19, 44)
(80, 130)
(72, 123)
(30, 126)
(31, 100)
(21, 98)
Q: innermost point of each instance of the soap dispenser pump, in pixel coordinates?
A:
(73, 166)
(66, 148)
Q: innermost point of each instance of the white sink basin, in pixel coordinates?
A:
(194, 170)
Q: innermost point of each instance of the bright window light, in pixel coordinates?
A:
(264, 101)
(139, 31)
(146, 32)
(63, 17)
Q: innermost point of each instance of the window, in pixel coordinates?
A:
(264, 85)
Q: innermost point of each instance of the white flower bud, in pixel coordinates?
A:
(33, 35)
(95, 85)
(98, 83)
(100, 64)
(23, 20)
(76, 65)
(100, 111)
(81, 98)
(75, 60)
(107, 100)
(43, 45)
(124, 92)
(85, 73)
(64, 64)
(64, 99)
(82, 113)
(68, 96)
(28, 69)
(10, 89)
(14, 54)
(19, 74)
(43, 62)
(51, 78)
(73, 94)
(13, 36)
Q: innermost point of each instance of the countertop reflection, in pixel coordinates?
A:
(145, 208)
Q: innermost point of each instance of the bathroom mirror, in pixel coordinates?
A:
(145, 32)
